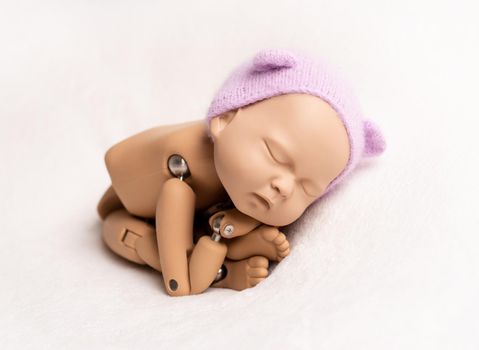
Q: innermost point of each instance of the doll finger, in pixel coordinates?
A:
(258, 272)
(280, 239)
(283, 246)
(283, 254)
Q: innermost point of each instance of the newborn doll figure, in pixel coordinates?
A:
(282, 131)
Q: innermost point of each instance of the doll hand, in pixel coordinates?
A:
(234, 223)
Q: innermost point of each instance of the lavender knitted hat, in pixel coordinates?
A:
(276, 72)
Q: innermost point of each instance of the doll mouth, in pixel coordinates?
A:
(263, 201)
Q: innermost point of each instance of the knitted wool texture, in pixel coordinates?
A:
(276, 72)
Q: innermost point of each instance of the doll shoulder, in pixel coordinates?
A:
(196, 148)
(138, 165)
(142, 150)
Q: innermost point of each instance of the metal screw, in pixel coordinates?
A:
(216, 228)
(178, 167)
(228, 230)
(222, 272)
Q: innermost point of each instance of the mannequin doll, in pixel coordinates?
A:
(203, 202)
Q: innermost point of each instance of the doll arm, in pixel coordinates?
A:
(174, 231)
(234, 223)
(174, 227)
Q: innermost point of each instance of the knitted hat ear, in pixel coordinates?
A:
(374, 143)
(266, 60)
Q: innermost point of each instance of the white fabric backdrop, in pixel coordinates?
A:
(389, 260)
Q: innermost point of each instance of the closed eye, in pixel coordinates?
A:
(318, 193)
(271, 153)
(274, 159)
(310, 195)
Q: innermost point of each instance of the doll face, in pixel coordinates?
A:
(276, 156)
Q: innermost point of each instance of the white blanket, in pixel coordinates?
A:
(389, 260)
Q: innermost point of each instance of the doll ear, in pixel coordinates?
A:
(374, 143)
(218, 123)
(267, 60)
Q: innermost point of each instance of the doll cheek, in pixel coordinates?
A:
(295, 210)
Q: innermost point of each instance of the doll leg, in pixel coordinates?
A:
(135, 240)
(131, 238)
(244, 274)
(265, 240)
(108, 203)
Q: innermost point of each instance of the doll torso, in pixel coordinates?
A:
(138, 166)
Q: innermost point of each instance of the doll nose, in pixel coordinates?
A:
(284, 185)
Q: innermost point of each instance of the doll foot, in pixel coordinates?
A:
(244, 274)
(278, 240)
(265, 240)
(131, 238)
